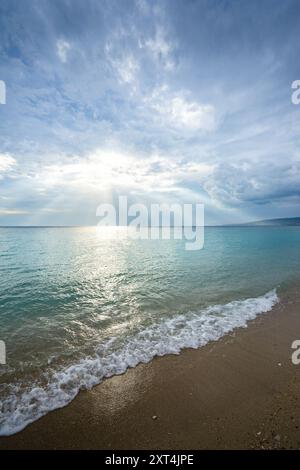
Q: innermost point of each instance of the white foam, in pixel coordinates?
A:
(169, 336)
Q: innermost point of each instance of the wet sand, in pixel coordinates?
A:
(239, 392)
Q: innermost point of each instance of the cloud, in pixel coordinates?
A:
(123, 63)
(63, 48)
(126, 68)
(161, 48)
(106, 169)
(96, 176)
(7, 162)
(181, 112)
(192, 115)
(261, 183)
(5, 212)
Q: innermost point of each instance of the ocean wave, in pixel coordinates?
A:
(22, 405)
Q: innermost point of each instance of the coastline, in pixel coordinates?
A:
(241, 391)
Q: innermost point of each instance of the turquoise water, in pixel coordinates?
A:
(75, 308)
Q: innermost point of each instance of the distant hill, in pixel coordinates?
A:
(276, 222)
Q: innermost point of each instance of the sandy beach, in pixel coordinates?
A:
(239, 392)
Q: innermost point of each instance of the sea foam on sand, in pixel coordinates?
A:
(25, 404)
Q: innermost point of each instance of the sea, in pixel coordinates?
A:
(76, 307)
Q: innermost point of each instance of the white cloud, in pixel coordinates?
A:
(13, 212)
(63, 48)
(124, 65)
(192, 115)
(105, 170)
(7, 162)
(161, 48)
(127, 69)
(182, 113)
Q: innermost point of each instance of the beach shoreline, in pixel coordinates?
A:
(241, 391)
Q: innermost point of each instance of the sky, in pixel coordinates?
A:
(185, 101)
